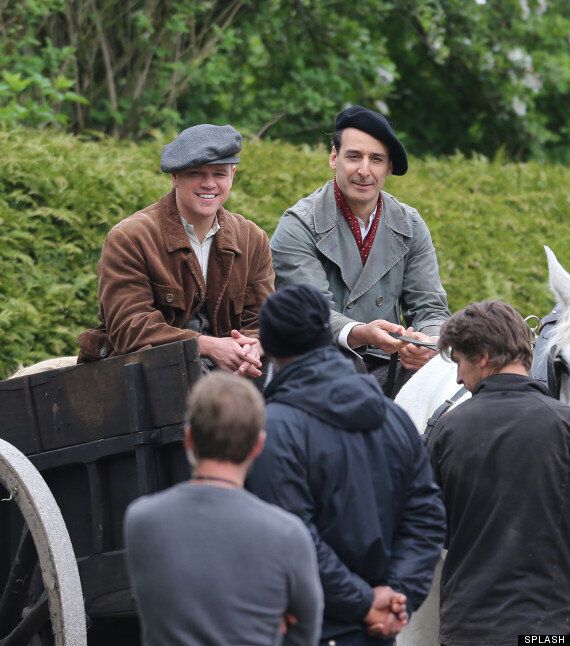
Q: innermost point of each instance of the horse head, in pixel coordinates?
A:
(560, 341)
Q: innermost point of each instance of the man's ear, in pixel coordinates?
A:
(483, 360)
(390, 168)
(233, 171)
(188, 442)
(333, 158)
(258, 446)
(174, 180)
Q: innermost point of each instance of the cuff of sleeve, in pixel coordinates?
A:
(366, 603)
(432, 329)
(343, 334)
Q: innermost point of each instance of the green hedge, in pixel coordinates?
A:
(59, 195)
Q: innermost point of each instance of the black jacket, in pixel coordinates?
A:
(350, 463)
(502, 459)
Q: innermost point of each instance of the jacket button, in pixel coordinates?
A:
(379, 301)
(348, 306)
(196, 297)
(103, 352)
(169, 298)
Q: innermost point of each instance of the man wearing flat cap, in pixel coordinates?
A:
(371, 255)
(185, 267)
(350, 463)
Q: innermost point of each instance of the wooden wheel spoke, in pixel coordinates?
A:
(16, 589)
(33, 621)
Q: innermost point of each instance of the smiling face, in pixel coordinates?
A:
(362, 165)
(202, 190)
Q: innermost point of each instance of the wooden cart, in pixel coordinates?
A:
(77, 446)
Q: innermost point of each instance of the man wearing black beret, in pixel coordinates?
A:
(350, 463)
(371, 255)
(185, 267)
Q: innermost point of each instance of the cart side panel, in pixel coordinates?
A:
(88, 402)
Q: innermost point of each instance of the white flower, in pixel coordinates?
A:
(384, 74)
(532, 81)
(382, 107)
(518, 106)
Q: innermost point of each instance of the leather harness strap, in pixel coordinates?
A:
(439, 411)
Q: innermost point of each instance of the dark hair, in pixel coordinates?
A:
(226, 414)
(494, 327)
(336, 139)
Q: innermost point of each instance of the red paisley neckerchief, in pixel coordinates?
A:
(365, 245)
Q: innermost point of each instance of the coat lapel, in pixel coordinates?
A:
(224, 250)
(175, 239)
(337, 242)
(387, 249)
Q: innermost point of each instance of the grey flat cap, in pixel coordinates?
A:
(203, 144)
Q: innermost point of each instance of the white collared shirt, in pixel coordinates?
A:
(201, 249)
(364, 229)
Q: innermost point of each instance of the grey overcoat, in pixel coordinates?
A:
(313, 244)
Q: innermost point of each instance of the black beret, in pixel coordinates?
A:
(203, 144)
(376, 125)
(294, 320)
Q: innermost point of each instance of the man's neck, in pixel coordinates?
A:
(513, 369)
(201, 225)
(363, 211)
(220, 473)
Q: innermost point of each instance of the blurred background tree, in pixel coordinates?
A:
(469, 75)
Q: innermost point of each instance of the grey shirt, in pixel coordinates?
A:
(212, 566)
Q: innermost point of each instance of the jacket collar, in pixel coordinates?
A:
(327, 215)
(175, 237)
(508, 381)
(338, 245)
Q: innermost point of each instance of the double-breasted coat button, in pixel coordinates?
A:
(379, 301)
(169, 298)
(103, 352)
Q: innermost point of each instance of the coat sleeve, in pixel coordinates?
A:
(296, 260)
(305, 591)
(280, 476)
(421, 528)
(424, 301)
(260, 284)
(126, 298)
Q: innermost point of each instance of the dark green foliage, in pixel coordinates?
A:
(468, 75)
(59, 195)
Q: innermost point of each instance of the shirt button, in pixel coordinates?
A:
(169, 298)
(379, 301)
(332, 642)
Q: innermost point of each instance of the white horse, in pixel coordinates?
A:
(44, 366)
(427, 390)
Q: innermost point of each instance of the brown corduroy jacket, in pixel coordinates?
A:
(150, 282)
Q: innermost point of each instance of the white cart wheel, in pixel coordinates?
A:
(44, 542)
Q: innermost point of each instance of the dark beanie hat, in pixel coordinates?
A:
(294, 320)
(376, 125)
